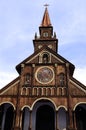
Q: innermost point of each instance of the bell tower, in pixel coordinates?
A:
(46, 36)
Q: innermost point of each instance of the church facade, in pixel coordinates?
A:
(45, 95)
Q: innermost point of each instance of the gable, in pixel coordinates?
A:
(11, 88)
(53, 58)
(36, 58)
(77, 89)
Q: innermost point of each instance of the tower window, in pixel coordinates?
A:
(45, 34)
(44, 57)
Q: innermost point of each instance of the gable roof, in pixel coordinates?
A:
(59, 57)
(77, 89)
(9, 86)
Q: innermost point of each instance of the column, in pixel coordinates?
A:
(21, 119)
(17, 122)
(3, 120)
(14, 118)
(70, 119)
(74, 120)
(56, 121)
(30, 122)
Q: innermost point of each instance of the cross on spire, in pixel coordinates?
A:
(46, 5)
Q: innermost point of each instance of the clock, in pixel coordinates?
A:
(44, 75)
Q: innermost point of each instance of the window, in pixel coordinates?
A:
(61, 79)
(45, 58)
(45, 34)
(27, 78)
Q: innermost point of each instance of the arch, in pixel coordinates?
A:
(41, 99)
(80, 116)
(6, 116)
(25, 106)
(25, 118)
(61, 106)
(38, 106)
(62, 118)
(78, 104)
(8, 103)
(45, 57)
(45, 118)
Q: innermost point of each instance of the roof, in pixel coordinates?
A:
(71, 66)
(46, 19)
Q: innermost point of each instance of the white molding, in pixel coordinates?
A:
(9, 87)
(78, 86)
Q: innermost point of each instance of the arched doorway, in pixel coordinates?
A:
(43, 115)
(45, 118)
(6, 116)
(80, 113)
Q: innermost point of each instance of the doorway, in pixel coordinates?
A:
(81, 117)
(45, 118)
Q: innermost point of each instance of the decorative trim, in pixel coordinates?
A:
(43, 98)
(9, 87)
(61, 106)
(78, 104)
(77, 86)
(25, 107)
(40, 70)
(8, 103)
(57, 58)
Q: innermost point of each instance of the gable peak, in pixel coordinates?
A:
(46, 19)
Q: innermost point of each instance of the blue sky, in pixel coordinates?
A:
(20, 19)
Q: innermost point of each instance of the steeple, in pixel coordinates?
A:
(46, 19)
(46, 36)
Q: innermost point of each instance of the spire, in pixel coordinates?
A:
(46, 19)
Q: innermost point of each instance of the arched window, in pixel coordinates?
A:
(45, 58)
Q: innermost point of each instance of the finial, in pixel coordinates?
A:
(54, 34)
(35, 35)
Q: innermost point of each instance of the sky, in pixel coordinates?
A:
(20, 19)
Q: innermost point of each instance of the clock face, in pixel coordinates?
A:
(44, 75)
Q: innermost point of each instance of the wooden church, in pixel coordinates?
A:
(45, 95)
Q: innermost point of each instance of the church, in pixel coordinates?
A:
(45, 95)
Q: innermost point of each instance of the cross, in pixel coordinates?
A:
(46, 5)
